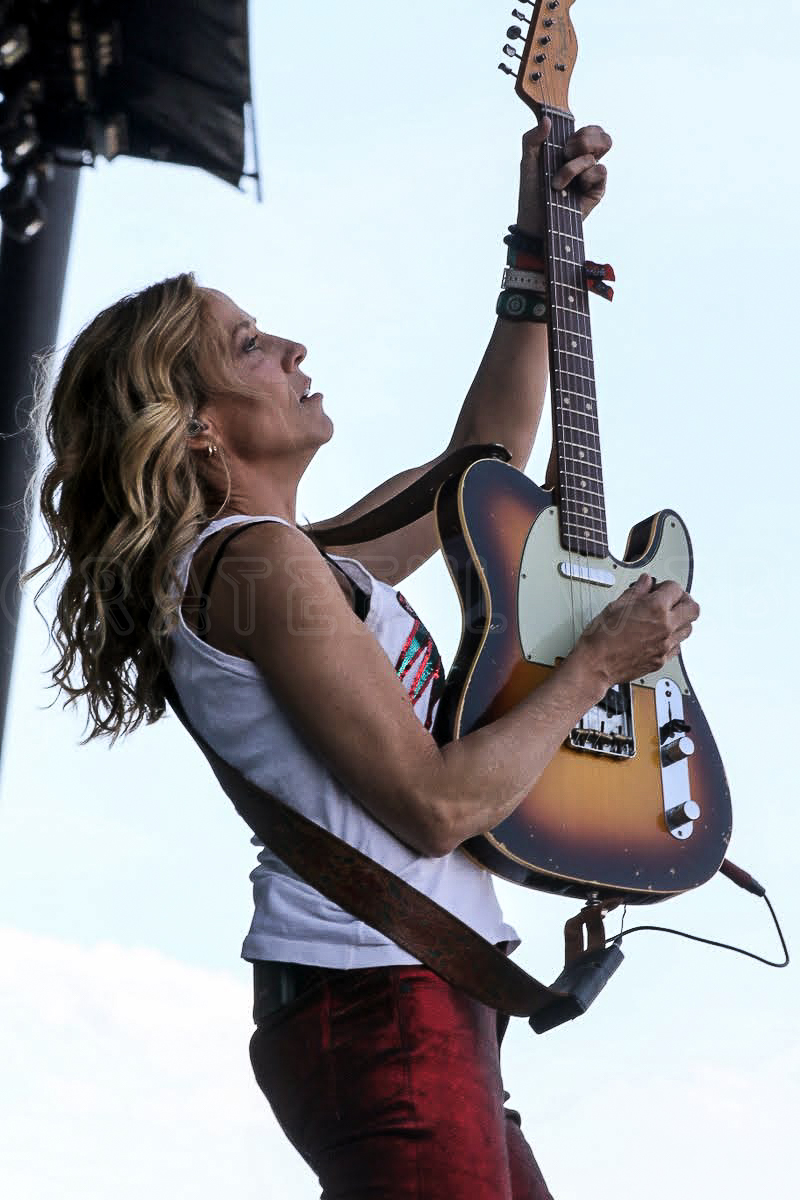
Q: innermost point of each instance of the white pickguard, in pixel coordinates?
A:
(555, 604)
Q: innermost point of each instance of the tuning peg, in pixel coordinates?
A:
(511, 52)
(514, 32)
(520, 16)
(506, 69)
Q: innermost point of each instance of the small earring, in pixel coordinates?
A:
(212, 449)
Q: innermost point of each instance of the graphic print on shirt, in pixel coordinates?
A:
(419, 665)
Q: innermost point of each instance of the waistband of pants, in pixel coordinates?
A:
(276, 984)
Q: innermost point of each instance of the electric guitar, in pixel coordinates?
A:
(635, 804)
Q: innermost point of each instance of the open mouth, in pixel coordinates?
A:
(308, 394)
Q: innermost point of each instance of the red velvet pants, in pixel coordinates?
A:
(387, 1081)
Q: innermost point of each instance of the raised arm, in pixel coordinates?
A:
(337, 686)
(504, 403)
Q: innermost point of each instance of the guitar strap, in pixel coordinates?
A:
(373, 894)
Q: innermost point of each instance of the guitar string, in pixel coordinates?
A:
(571, 326)
(565, 218)
(582, 388)
(558, 425)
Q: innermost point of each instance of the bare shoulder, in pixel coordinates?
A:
(278, 575)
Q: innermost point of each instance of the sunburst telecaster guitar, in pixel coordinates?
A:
(635, 804)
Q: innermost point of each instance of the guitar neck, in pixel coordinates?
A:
(581, 500)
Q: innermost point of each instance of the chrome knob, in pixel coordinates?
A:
(677, 751)
(681, 813)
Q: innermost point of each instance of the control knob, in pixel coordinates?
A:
(689, 810)
(677, 751)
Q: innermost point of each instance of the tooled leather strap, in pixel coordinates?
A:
(374, 895)
(407, 506)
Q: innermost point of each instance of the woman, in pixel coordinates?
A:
(179, 435)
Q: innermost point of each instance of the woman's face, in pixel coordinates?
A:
(277, 411)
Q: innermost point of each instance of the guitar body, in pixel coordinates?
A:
(612, 815)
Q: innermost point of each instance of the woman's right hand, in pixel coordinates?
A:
(640, 630)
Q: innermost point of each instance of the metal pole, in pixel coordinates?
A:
(31, 288)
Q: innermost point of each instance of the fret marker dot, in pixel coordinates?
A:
(581, 454)
(566, 401)
(568, 249)
(583, 483)
(571, 299)
(588, 408)
(585, 509)
(574, 344)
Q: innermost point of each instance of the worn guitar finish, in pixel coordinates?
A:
(635, 804)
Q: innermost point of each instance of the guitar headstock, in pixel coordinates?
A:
(547, 60)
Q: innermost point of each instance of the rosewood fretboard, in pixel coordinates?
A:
(581, 500)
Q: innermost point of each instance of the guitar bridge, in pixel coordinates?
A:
(607, 728)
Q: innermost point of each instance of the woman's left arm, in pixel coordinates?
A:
(504, 403)
(506, 399)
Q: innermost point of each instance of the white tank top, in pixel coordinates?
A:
(229, 703)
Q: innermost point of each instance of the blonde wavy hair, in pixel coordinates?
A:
(124, 497)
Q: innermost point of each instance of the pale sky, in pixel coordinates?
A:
(389, 145)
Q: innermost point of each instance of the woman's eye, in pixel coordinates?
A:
(251, 344)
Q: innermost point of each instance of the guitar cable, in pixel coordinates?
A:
(742, 879)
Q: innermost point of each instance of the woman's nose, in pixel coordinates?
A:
(293, 355)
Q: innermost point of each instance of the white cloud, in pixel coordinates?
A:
(126, 1073)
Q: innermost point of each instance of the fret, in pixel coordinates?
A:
(570, 285)
(584, 358)
(566, 308)
(572, 517)
(583, 524)
(562, 323)
(569, 414)
(593, 512)
(564, 332)
(580, 457)
(583, 494)
(577, 375)
(584, 466)
(575, 355)
(580, 434)
(582, 537)
(585, 469)
(571, 306)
